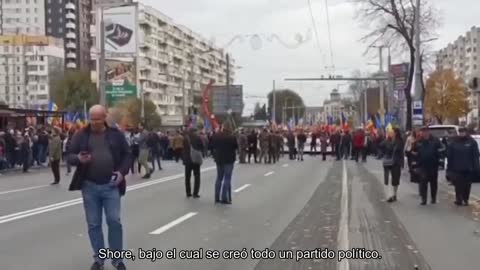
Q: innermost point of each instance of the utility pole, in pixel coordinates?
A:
(274, 103)
(382, 87)
(417, 113)
(101, 60)
(228, 83)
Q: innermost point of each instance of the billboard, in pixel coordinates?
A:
(120, 31)
(219, 99)
(121, 81)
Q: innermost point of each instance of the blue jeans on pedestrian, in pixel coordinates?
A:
(223, 185)
(96, 199)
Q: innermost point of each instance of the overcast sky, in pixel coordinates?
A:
(262, 62)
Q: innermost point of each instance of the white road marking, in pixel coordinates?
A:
(285, 165)
(173, 223)
(241, 188)
(342, 239)
(269, 173)
(22, 189)
(57, 206)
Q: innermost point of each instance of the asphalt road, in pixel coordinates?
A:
(292, 209)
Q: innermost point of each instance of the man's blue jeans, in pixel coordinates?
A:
(223, 184)
(96, 199)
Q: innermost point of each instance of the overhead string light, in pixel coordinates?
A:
(257, 40)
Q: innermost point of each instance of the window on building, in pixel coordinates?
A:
(18, 88)
(18, 1)
(42, 87)
(18, 49)
(18, 98)
(18, 69)
(49, 11)
(42, 68)
(35, 10)
(42, 58)
(49, 30)
(60, 30)
(27, 29)
(49, 20)
(27, 10)
(27, 1)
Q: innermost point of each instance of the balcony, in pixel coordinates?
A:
(71, 35)
(71, 15)
(70, 6)
(71, 25)
(71, 45)
(71, 55)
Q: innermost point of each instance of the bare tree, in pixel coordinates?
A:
(393, 24)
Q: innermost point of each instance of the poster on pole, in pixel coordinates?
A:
(120, 31)
(121, 81)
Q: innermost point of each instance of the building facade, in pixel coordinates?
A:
(174, 63)
(23, 17)
(28, 66)
(64, 19)
(78, 19)
(463, 57)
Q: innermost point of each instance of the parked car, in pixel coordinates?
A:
(444, 133)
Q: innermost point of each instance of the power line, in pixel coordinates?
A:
(314, 25)
(329, 35)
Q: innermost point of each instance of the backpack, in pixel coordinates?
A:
(195, 155)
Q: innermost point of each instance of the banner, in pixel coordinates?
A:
(121, 81)
(120, 31)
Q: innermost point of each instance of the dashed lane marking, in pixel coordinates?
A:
(174, 223)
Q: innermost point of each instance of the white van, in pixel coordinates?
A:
(444, 131)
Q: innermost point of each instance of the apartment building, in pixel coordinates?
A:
(28, 66)
(175, 63)
(463, 57)
(23, 17)
(65, 19)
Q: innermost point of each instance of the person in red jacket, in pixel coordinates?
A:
(358, 143)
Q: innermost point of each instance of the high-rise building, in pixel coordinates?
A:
(28, 66)
(175, 63)
(23, 17)
(66, 19)
(463, 57)
(77, 33)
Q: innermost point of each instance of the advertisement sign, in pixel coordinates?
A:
(120, 31)
(121, 81)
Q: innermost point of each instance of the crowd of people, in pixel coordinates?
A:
(103, 156)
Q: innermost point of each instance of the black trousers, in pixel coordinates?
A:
(395, 171)
(430, 177)
(156, 157)
(55, 165)
(189, 168)
(252, 151)
(463, 186)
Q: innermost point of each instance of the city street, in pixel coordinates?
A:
(298, 206)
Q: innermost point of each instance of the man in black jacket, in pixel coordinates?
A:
(463, 163)
(427, 152)
(192, 140)
(252, 146)
(102, 157)
(224, 148)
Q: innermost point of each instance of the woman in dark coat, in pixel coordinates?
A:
(393, 161)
